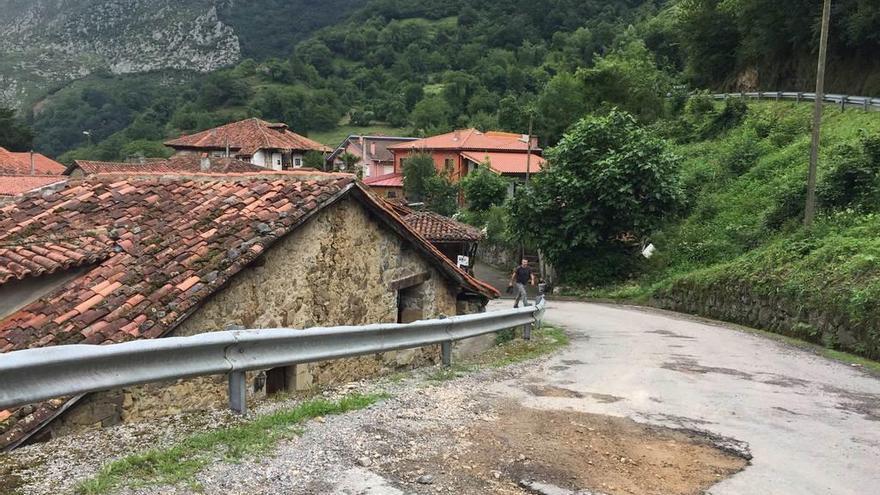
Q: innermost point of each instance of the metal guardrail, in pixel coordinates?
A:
(32, 375)
(866, 103)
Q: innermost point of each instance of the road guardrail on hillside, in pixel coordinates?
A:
(866, 103)
(33, 375)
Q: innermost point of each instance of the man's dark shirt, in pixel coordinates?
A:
(523, 274)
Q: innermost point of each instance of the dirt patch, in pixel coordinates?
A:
(572, 361)
(576, 451)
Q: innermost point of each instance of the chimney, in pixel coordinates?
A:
(33, 167)
(141, 159)
(205, 164)
(372, 149)
(457, 135)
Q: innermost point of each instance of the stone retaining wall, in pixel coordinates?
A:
(779, 313)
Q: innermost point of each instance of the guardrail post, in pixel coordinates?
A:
(237, 392)
(799, 97)
(446, 352)
(843, 102)
(527, 331)
(865, 104)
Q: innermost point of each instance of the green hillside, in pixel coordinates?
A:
(741, 245)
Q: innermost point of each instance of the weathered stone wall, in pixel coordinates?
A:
(335, 270)
(776, 312)
(497, 255)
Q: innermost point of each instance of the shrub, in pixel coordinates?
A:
(417, 169)
(853, 177)
(483, 188)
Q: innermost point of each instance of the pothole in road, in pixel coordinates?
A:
(554, 391)
(671, 335)
(575, 451)
(689, 365)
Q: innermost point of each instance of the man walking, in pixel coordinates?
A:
(522, 275)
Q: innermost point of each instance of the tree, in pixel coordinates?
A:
(441, 195)
(314, 159)
(483, 189)
(15, 135)
(431, 114)
(417, 169)
(559, 105)
(629, 79)
(350, 161)
(608, 179)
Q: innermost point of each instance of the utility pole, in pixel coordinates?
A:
(810, 209)
(529, 151)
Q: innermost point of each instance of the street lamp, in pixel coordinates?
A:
(89, 135)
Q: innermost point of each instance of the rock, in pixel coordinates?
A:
(425, 479)
(364, 461)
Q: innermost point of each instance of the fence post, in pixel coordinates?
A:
(446, 352)
(238, 392)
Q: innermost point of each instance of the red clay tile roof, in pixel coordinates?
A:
(13, 163)
(246, 137)
(387, 180)
(507, 163)
(159, 247)
(468, 139)
(437, 228)
(13, 185)
(186, 163)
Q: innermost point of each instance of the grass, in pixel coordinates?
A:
(545, 340)
(180, 463)
(333, 137)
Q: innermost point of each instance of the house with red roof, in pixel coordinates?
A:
(21, 172)
(459, 152)
(119, 257)
(265, 144)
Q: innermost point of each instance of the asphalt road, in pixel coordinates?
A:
(811, 424)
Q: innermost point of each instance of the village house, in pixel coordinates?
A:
(388, 186)
(21, 172)
(118, 257)
(456, 240)
(374, 157)
(462, 151)
(265, 144)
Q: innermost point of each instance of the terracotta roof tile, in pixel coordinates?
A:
(468, 139)
(15, 163)
(437, 228)
(246, 137)
(14, 185)
(187, 163)
(507, 163)
(387, 180)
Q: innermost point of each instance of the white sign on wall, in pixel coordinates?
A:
(464, 261)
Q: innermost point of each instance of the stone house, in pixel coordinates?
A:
(115, 258)
(265, 144)
(375, 157)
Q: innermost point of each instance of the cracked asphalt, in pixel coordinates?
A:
(812, 425)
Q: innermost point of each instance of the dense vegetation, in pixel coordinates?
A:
(421, 67)
(744, 173)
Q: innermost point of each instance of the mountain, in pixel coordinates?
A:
(45, 44)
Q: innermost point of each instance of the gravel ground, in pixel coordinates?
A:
(323, 454)
(451, 436)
